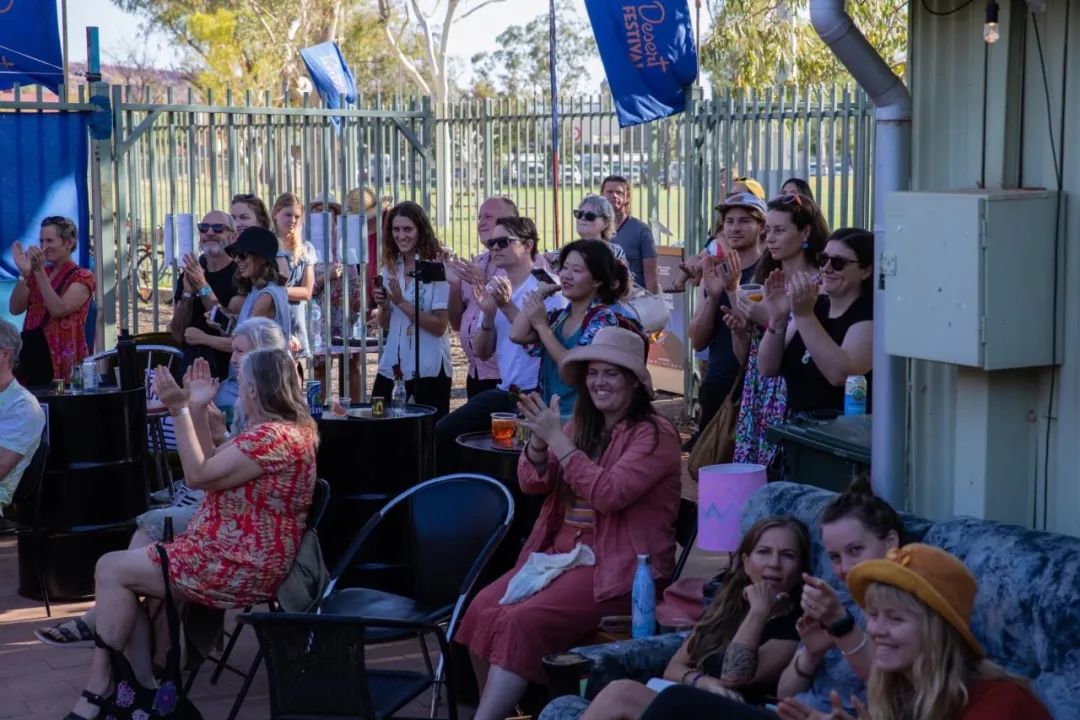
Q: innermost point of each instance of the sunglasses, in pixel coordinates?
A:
(789, 199)
(835, 261)
(216, 227)
(241, 255)
(501, 243)
(587, 215)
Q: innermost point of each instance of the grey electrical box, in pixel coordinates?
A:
(969, 277)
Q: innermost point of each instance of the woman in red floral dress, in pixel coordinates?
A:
(242, 542)
(55, 294)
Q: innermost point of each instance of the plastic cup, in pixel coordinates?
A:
(754, 292)
(503, 426)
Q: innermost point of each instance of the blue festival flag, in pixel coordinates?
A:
(30, 44)
(330, 74)
(649, 56)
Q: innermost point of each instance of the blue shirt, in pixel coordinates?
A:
(834, 672)
(598, 316)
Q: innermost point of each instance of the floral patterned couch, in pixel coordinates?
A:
(1027, 613)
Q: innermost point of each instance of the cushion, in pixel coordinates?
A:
(1027, 611)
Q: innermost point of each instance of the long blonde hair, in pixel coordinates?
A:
(938, 689)
(293, 242)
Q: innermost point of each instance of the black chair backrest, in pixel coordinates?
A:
(455, 522)
(320, 499)
(685, 533)
(25, 501)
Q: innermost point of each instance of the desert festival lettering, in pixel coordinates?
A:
(640, 22)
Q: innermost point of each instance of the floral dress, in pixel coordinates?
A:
(241, 543)
(764, 402)
(66, 336)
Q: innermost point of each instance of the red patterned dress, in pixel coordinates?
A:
(242, 541)
(65, 336)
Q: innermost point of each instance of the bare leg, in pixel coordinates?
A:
(620, 700)
(119, 579)
(481, 667)
(502, 691)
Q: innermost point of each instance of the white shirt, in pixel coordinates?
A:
(399, 348)
(21, 423)
(516, 366)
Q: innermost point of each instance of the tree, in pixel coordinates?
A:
(521, 65)
(763, 43)
(255, 44)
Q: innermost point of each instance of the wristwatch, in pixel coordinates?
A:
(204, 291)
(841, 627)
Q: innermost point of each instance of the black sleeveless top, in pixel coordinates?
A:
(807, 388)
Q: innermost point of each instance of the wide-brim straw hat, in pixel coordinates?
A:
(613, 345)
(934, 576)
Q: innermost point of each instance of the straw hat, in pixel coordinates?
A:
(614, 345)
(932, 575)
(745, 200)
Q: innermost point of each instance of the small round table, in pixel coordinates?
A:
(368, 461)
(479, 453)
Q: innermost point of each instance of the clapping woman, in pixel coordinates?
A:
(242, 541)
(611, 484)
(55, 294)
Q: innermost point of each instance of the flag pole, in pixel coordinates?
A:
(64, 30)
(554, 122)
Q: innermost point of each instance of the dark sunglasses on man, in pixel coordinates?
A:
(218, 228)
(838, 263)
(586, 215)
(501, 243)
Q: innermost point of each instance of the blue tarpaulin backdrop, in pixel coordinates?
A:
(30, 44)
(647, 47)
(43, 173)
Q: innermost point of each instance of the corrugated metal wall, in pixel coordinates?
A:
(980, 117)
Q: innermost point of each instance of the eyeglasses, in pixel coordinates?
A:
(838, 263)
(501, 243)
(216, 227)
(586, 215)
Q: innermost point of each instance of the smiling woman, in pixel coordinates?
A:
(55, 294)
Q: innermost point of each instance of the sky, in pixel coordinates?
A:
(120, 30)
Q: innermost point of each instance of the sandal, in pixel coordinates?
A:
(94, 699)
(61, 634)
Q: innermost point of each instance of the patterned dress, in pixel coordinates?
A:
(65, 336)
(242, 542)
(764, 401)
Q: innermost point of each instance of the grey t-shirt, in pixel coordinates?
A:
(281, 306)
(636, 240)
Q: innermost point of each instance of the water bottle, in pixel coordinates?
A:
(89, 374)
(397, 399)
(317, 344)
(855, 395)
(125, 360)
(643, 600)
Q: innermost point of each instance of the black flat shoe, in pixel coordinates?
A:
(94, 699)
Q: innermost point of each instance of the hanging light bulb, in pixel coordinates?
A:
(990, 27)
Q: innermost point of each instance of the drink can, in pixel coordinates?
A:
(89, 374)
(58, 385)
(313, 390)
(855, 390)
(378, 407)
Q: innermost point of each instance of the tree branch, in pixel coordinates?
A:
(476, 7)
(409, 65)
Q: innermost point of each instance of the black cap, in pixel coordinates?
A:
(256, 241)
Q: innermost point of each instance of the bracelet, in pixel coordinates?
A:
(567, 454)
(180, 411)
(204, 291)
(688, 673)
(778, 329)
(795, 665)
(857, 648)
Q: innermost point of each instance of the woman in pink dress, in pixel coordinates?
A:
(242, 541)
(612, 482)
(55, 294)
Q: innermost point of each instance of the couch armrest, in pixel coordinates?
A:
(640, 660)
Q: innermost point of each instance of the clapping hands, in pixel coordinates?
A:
(202, 387)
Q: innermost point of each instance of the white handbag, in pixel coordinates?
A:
(651, 309)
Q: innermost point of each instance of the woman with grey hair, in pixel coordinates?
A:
(254, 334)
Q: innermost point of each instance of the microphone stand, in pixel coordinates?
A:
(415, 275)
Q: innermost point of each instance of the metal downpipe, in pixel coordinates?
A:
(892, 172)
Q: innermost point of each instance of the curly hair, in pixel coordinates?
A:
(427, 245)
(65, 228)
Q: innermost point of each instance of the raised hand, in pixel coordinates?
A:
(393, 290)
(763, 597)
(712, 277)
(534, 308)
(738, 323)
(820, 602)
(485, 298)
(500, 289)
(775, 298)
(22, 260)
(802, 291)
(172, 395)
(200, 384)
(37, 258)
(813, 636)
(193, 272)
(543, 420)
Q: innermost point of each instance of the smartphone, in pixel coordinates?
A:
(544, 276)
(222, 319)
(431, 271)
(379, 282)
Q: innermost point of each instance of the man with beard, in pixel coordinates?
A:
(206, 281)
(632, 235)
(742, 229)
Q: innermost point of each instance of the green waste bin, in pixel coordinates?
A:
(824, 453)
